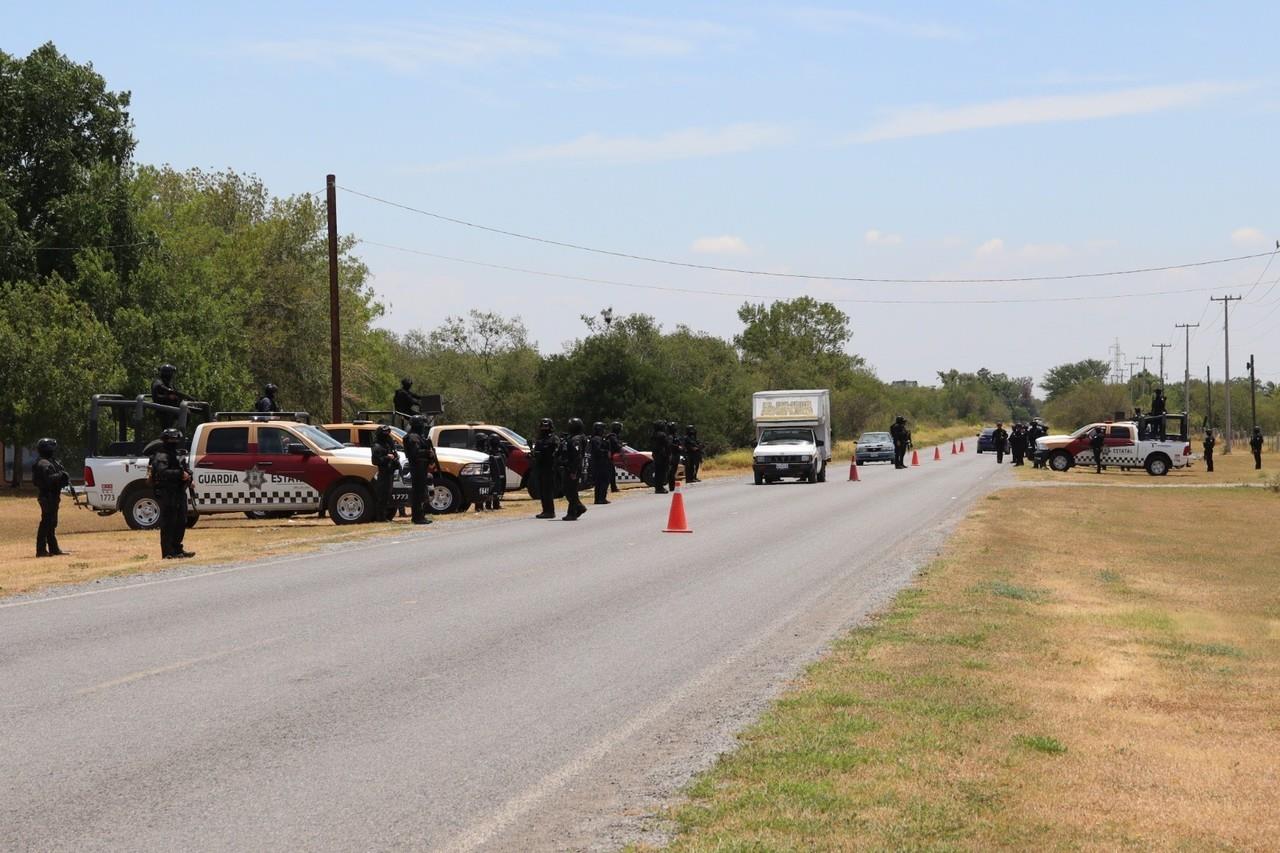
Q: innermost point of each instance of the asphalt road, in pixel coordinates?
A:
(517, 684)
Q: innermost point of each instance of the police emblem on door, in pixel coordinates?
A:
(254, 478)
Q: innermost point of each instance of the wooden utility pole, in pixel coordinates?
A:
(1253, 397)
(1186, 374)
(1162, 347)
(335, 327)
(1226, 360)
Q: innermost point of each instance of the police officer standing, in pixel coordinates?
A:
(406, 402)
(1018, 443)
(601, 462)
(497, 470)
(901, 438)
(1000, 438)
(267, 402)
(1255, 444)
(615, 446)
(573, 454)
(1036, 431)
(1098, 440)
(1209, 442)
(386, 460)
(171, 479)
(660, 449)
(692, 454)
(675, 450)
(164, 393)
(421, 455)
(50, 479)
(546, 449)
(1157, 403)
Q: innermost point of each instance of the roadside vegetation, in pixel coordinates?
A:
(1082, 668)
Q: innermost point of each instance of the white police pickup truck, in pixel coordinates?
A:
(251, 465)
(1157, 444)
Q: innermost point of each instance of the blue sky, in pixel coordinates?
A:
(887, 140)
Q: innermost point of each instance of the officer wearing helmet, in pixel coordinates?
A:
(573, 454)
(692, 454)
(164, 392)
(901, 438)
(601, 461)
(421, 453)
(386, 460)
(615, 446)
(545, 450)
(659, 446)
(50, 479)
(267, 402)
(497, 470)
(171, 478)
(675, 449)
(406, 402)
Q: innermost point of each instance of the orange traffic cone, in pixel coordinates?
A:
(962, 445)
(853, 470)
(915, 458)
(937, 454)
(953, 448)
(676, 522)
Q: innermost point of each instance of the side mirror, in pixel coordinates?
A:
(297, 448)
(821, 443)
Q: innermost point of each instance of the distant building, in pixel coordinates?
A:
(905, 383)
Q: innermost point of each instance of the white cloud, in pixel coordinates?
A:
(1249, 238)
(994, 246)
(726, 244)
(876, 237)
(1044, 251)
(673, 145)
(843, 20)
(929, 121)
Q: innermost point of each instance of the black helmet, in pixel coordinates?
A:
(416, 423)
(270, 389)
(171, 436)
(1256, 430)
(691, 430)
(900, 420)
(575, 426)
(597, 428)
(46, 447)
(167, 372)
(495, 443)
(659, 426)
(616, 427)
(383, 432)
(406, 383)
(546, 425)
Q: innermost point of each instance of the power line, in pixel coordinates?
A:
(78, 248)
(808, 276)
(748, 295)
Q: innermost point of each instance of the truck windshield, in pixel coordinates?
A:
(318, 437)
(786, 436)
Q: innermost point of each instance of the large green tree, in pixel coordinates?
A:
(797, 343)
(1064, 377)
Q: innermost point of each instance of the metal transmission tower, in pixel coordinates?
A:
(1186, 373)
(1226, 359)
(1117, 363)
(1162, 347)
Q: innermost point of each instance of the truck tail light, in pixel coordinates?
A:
(88, 476)
(1186, 451)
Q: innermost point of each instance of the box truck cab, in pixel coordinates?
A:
(793, 435)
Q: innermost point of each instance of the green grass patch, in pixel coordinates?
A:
(1018, 593)
(1041, 743)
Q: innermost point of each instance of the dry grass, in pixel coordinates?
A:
(925, 439)
(104, 547)
(1083, 668)
(1233, 469)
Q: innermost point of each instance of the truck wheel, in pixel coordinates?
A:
(822, 473)
(646, 474)
(445, 497)
(141, 509)
(759, 479)
(1157, 465)
(1060, 461)
(351, 503)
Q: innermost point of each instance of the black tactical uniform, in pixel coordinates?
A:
(1018, 443)
(163, 392)
(601, 462)
(406, 402)
(1034, 432)
(497, 471)
(1000, 438)
(267, 402)
(545, 450)
(171, 477)
(1209, 442)
(675, 449)
(421, 455)
(1255, 445)
(1097, 441)
(49, 479)
(615, 446)
(386, 460)
(901, 438)
(1158, 403)
(659, 447)
(692, 454)
(573, 454)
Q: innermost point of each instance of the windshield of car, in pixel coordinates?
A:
(1084, 430)
(872, 437)
(988, 431)
(514, 437)
(777, 435)
(318, 437)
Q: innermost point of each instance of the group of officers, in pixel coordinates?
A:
(1020, 442)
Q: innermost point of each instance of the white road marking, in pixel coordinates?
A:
(172, 667)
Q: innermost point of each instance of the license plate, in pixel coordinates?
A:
(781, 465)
(483, 490)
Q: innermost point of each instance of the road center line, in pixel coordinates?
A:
(182, 664)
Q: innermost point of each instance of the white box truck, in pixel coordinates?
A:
(793, 435)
